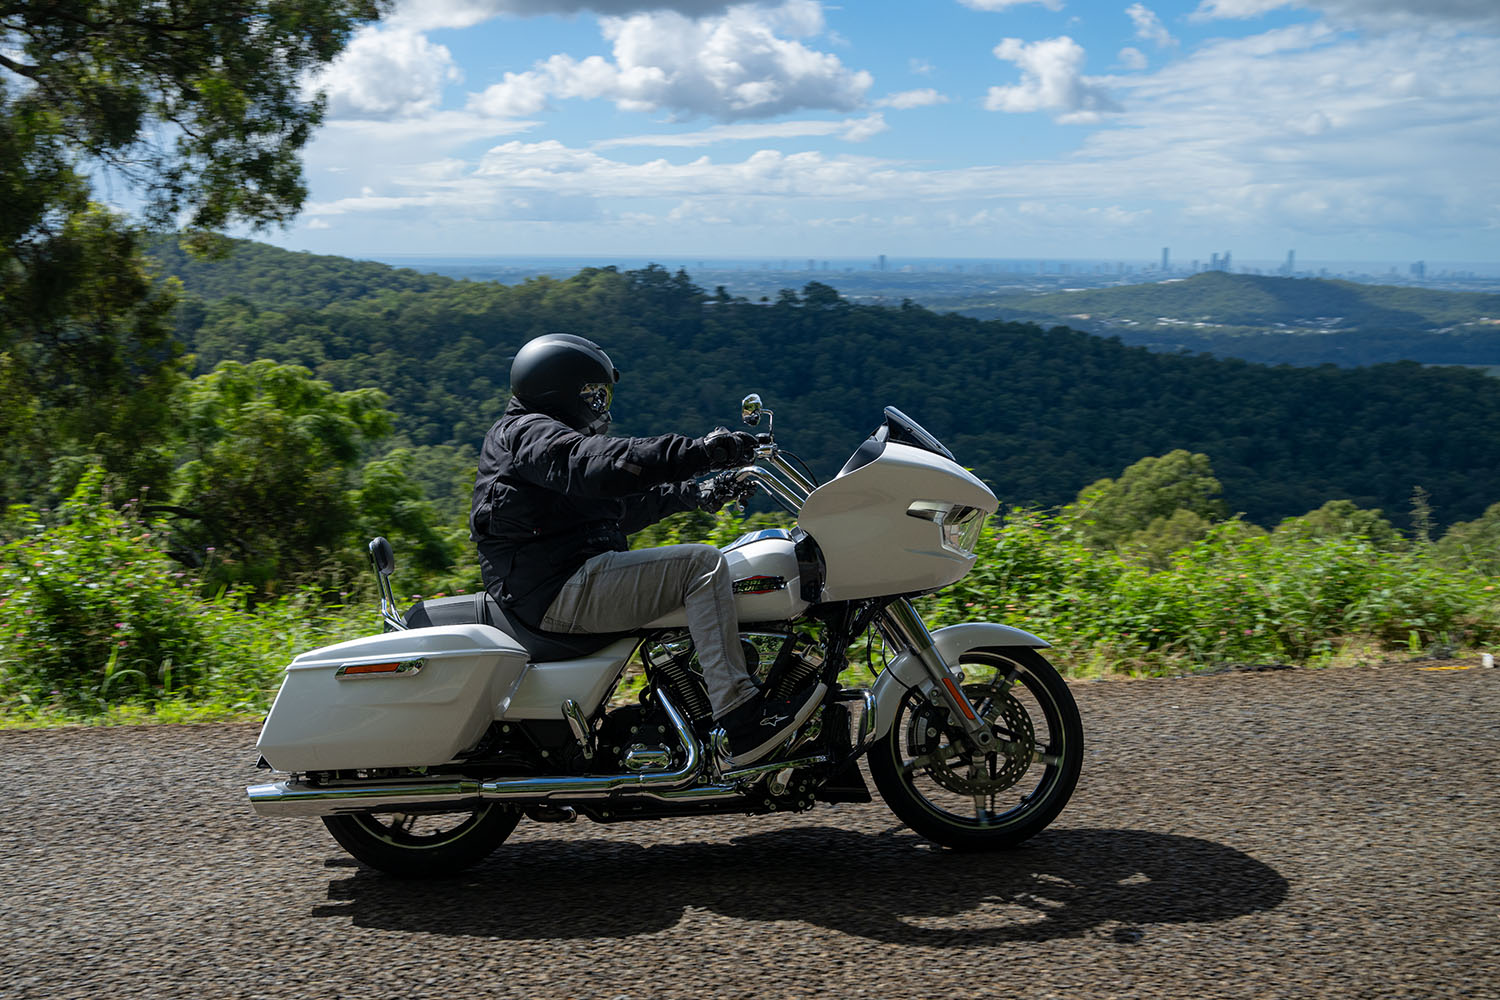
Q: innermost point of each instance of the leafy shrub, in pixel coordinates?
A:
(1236, 595)
(94, 614)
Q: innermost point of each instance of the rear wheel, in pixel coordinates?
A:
(423, 845)
(984, 800)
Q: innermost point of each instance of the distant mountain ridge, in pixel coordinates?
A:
(1039, 413)
(1281, 320)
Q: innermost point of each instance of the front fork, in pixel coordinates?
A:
(901, 626)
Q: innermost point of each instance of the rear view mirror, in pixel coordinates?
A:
(383, 556)
(750, 409)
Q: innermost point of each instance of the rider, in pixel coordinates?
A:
(554, 499)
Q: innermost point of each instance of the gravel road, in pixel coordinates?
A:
(1298, 833)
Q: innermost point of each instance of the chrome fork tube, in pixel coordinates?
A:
(901, 625)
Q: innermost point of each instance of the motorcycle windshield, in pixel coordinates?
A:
(901, 428)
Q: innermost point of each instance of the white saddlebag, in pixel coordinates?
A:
(402, 699)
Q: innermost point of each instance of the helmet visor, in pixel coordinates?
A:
(597, 396)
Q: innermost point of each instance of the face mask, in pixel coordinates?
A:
(597, 397)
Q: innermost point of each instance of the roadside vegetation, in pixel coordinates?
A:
(1142, 574)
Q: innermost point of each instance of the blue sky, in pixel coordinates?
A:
(1346, 129)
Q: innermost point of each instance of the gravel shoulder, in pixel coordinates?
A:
(1287, 834)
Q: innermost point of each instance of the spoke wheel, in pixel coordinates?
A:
(979, 800)
(423, 845)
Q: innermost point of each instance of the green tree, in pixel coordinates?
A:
(1343, 519)
(1148, 502)
(266, 497)
(1473, 544)
(195, 106)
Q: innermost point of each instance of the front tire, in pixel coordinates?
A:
(962, 800)
(423, 845)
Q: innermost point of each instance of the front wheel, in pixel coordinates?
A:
(423, 845)
(989, 800)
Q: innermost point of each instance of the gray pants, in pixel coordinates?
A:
(621, 591)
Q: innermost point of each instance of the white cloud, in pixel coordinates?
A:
(921, 67)
(387, 73)
(743, 64)
(319, 224)
(1132, 58)
(1149, 26)
(925, 97)
(425, 15)
(998, 5)
(1051, 80)
(1306, 130)
(849, 129)
(440, 129)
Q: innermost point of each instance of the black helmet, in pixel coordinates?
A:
(566, 377)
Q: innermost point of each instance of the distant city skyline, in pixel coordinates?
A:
(1348, 129)
(896, 263)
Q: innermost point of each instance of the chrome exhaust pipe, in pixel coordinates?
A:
(296, 798)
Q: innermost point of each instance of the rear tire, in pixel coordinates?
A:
(954, 798)
(425, 845)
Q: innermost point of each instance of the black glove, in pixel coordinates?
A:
(714, 493)
(728, 449)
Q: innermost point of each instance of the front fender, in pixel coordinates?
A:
(906, 671)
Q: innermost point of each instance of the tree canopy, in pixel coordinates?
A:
(197, 108)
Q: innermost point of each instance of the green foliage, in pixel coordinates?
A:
(267, 494)
(1236, 595)
(195, 106)
(1167, 500)
(390, 502)
(1343, 519)
(198, 104)
(94, 615)
(1473, 545)
(87, 356)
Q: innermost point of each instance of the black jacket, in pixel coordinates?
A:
(548, 498)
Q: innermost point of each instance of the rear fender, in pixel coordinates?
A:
(906, 671)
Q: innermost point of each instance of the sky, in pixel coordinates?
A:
(1342, 129)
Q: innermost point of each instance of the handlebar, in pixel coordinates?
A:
(791, 492)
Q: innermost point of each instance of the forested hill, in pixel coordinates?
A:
(1275, 319)
(270, 276)
(1038, 413)
(1261, 300)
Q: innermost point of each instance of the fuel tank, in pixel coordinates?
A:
(767, 579)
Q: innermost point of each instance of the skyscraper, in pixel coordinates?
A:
(1290, 267)
(1166, 257)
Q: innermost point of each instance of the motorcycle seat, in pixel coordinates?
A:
(482, 609)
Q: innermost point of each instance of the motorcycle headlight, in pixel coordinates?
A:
(960, 525)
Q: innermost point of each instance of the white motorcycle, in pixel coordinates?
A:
(423, 747)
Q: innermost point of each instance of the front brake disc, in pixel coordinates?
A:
(934, 739)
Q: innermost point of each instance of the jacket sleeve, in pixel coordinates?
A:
(645, 509)
(551, 454)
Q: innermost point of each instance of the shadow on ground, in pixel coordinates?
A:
(891, 887)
